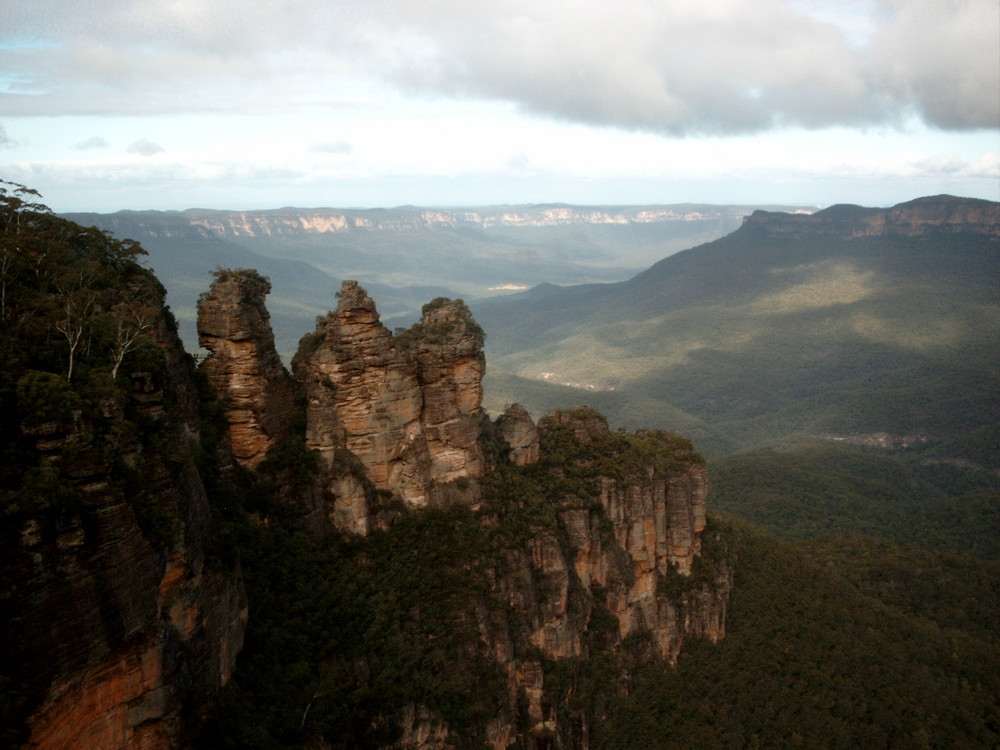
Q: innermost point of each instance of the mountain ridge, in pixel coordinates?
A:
(784, 308)
(295, 220)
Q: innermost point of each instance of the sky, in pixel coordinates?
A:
(243, 104)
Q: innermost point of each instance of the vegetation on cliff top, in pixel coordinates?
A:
(77, 312)
(346, 634)
(91, 445)
(833, 641)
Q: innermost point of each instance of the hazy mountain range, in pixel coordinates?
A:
(851, 322)
(168, 548)
(408, 255)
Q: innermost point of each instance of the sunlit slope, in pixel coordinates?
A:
(622, 409)
(760, 334)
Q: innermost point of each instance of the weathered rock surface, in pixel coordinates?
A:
(934, 213)
(400, 417)
(407, 407)
(116, 634)
(519, 432)
(244, 367)
(448, 348)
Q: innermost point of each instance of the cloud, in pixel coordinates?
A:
(5, 140)
(92, 143)
(678, 68)
(145, 147)
(332, 147)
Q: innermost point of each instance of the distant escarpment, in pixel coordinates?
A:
(591, 540)
(392, 568)
(294, 221)
(934, 213)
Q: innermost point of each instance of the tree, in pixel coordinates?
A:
(130, 322)
(77, 301)
(17, 209)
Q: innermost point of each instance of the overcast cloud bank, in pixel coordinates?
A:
(173, 103)
(675, 67)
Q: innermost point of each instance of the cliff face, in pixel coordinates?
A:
(407, 408)
(654, 535)
(914, 218)
(120, 630)
(234, 325)
(595, 579)
(607, 548)
(288, 222)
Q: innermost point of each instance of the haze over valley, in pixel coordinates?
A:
(394, 499)
(408, 255)
(591, 375)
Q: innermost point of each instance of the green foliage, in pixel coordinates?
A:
(815, 489)
(47, 397)
(308, 344)
(75, 306)
(255, 287)
(42, 490)
(809, 660)
(956, 592)
(343, 633)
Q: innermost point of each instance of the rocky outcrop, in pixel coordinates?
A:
(448, 348)
(295, 221)
(243, 366)
(407, 407)
(656, 520)
(627, 565)
(120, 628)
(609, 555)
(519, 432)
(942, 213)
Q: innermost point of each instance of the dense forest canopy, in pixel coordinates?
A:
(75, 306)
(863, 604)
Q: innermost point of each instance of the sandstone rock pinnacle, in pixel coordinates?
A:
(519, 432)
(408, 407)
(244, 368)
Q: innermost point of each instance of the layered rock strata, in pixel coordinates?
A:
(243, 365)
(120, 627)
(408, 408)
(519, 432)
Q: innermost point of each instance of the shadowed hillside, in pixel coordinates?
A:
(849, 322)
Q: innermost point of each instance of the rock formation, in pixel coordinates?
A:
(120, 626)
(396, 423)
(407, 407)
(130, 484)
(519, 432)
(942, 213)
(234, 325)
(399, 417)
(583, 584)
(448, 348)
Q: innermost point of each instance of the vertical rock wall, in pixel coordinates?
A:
(114, 633)
(244, 367)
(407, 407)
